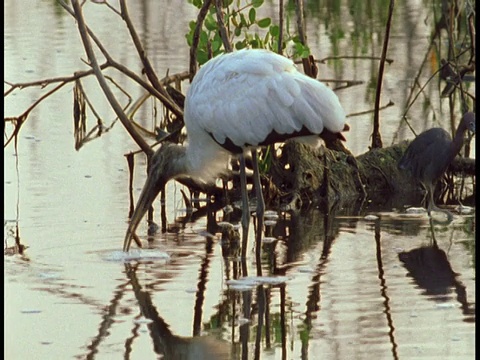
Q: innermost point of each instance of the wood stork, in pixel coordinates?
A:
(238, 102)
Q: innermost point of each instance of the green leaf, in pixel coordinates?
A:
(243, 21)
(202, 56)
(197, 3)
(257, 3)
(210, 23)
(203, 39)
(233, 18)
(240, 45)
(189, 38)
(274, 30)
(265, 22)
(216, 45)
(266, 39)
(252, 14)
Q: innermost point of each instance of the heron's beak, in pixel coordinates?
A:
(152, 187)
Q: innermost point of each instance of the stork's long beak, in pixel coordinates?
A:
(152, 187)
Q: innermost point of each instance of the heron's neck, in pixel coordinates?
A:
(457, 142)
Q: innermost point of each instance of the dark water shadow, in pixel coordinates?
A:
(431, 271)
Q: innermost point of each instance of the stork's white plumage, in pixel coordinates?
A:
(236, 102)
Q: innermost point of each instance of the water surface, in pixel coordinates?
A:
(338, 286)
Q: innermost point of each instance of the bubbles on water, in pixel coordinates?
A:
(142, 321)
(249, 282)
(31, 311)
(415, 210)
(137, 255)
(242, 321)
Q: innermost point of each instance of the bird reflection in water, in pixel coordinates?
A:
(430, 269)
(165, 343)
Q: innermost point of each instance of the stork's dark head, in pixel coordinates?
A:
(166, 163)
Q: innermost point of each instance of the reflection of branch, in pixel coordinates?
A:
(165, 342)
(108, 320)
(261, 304)
(383, 290)
(201, 287)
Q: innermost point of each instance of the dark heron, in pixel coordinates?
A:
(238, 102)
(429, 155)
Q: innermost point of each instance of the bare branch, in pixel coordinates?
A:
(20, 120)
(167, 101)
(46, 82)
(196, 37)
(221, 26)
(324, 60)
(103, 83)
(376, 136)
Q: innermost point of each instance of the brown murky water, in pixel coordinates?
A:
(336, 285)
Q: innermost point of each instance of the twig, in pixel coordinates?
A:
(46, 82)
(376, 137)
(111, 62)
(221, 26)
(103, 83)
(280, 25)
(300, 21)
(170, 104)
(20, 120)
(390, 103)
(324, 60)
(196, 38)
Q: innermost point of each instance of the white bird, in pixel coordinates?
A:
(238, 102)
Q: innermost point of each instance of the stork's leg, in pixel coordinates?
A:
(260, 212)
(245, 206)
(258, 186)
